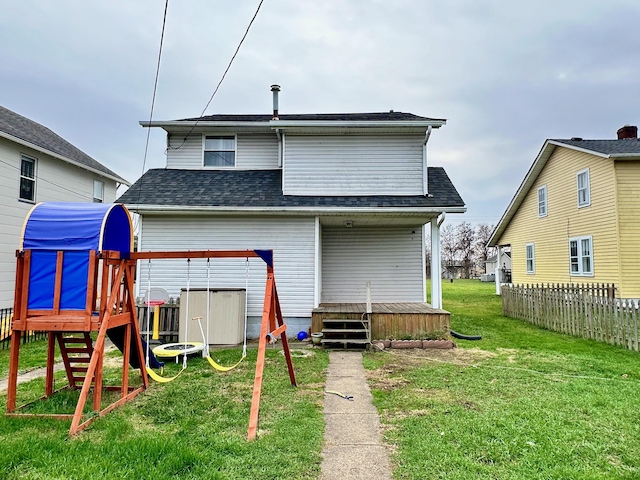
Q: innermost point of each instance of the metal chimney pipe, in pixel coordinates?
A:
(275, 89)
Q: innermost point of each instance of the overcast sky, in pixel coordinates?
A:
(506, 74)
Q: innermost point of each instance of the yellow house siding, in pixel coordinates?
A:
(628, 190)
(565, 220)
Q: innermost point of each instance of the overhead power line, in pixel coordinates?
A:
(246, 32)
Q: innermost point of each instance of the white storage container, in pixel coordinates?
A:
(226, 315)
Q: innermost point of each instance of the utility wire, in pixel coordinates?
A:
(153, 102)
(153, 98)
(246, 32)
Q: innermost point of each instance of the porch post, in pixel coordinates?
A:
(498, 270)
(317, 280)
(436, 274)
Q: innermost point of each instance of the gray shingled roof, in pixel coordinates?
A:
(263, 188)
(627, 146)
(39, 135)
(327, 117)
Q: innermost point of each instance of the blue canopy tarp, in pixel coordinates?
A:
(75, 229)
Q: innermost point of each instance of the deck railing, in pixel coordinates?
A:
(585, 310)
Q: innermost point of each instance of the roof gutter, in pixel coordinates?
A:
(294, 211)
(436, 123)
(46, 151)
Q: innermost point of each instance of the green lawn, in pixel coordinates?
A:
(194, 427)
(521, 403)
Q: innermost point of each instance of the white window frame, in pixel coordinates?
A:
(99, 198)
(585, 188)
(30, 179)
(235, 150)
(577, 263)
(530, 247)
(542, 204)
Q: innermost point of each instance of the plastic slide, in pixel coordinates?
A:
(116, 335)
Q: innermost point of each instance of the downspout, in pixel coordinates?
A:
(425, 177)
(279, 135)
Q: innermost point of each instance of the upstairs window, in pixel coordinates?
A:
(98, 191)
(542, 201)
(220, 151)
(531, 259)
(28, 179)
(584, 190)
(581, 256)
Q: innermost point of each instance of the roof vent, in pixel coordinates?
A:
(576, 139)
(275, 89)
(628, 131)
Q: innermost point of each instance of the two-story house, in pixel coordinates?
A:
(342, 199)
(36, 165)
(574, 218)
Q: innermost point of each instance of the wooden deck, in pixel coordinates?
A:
(389, 320)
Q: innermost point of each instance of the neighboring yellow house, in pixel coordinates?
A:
(576, 216)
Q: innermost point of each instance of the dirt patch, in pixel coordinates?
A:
(456, 356)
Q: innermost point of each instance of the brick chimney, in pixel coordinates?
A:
(628, 131)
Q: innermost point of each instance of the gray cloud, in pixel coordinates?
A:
(506, 75)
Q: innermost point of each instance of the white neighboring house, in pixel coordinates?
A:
(504, 265)
(36, 165)
(342, 199)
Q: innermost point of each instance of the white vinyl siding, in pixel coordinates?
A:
(253, 151)
(353, 165)
(292, 240)
(531, 258)
(387, 257)
(56, 181)
(584, 188)
(184, 151)
(257, 152)
(542, 201)
(581, 256)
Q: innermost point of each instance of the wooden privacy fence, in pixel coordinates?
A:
(169, 321)
(588, 311)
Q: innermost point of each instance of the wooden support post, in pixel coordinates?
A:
(285, 342)
(57, 289)
(98, 352)
(13, 370)
(51, 350)
(262, 345)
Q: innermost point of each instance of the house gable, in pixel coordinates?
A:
(550, 234)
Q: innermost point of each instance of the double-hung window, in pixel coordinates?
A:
(531, 258)
(98, 191)
(220, 151)
(542, 201)
(28, 179)
(581, 256)
(584, 189)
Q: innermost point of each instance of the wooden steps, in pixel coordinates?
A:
(76, 355)
(346, 332)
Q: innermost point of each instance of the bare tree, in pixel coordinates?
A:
(449, 249)
(482, 250)
(465, 241)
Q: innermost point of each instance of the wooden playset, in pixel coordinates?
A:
(74, 276)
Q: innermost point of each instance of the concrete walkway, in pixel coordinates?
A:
(30, 375)
(353, 447)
